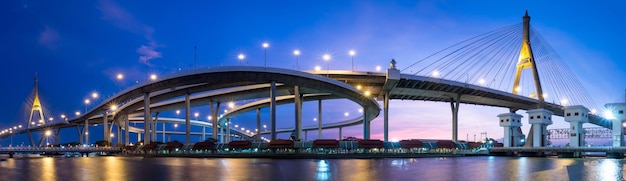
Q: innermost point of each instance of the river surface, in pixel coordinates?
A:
(188, 169)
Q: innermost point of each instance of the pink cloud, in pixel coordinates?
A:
(147, 53)
(49, 38)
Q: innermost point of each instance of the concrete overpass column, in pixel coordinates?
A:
(227, 127)
(576, 116)
(203, 132)
(119, 134)
(454, 105)
(86, 132)
(386, 116)
(80, 135)
(366, 124)
(511, 122)
(214, 114)
(298, 108)
(340, 133)
(258, 124)
(126, 131)
(105, 126)
(147, 118)
(187, 119)
(153, 128)
(273, 110)
(617, 109)
(319, 120)
(163, 133)
(540, 119)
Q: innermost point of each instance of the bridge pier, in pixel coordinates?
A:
(319, 120)
(539, 119)
(298, 106)
(214, 113)
(273, 110)
(258, 124)
(187, 119)
(86, 132)
(147, 118)
(454, 105)
(105, 126)
(576, 116)
(153, 127)
(126, 131)
(227, 127)
(366, 124)
(617, 109)
(511, 123)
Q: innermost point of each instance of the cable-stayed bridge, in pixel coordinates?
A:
(499, 68)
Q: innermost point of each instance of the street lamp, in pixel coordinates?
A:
(177, 113)
(87, 101)
(241, 57)
(153, 77)
(265, 46)
(297, 54)
(94, 95)
(352, 53)
(326, 58)
(119, 78)
(196, 115)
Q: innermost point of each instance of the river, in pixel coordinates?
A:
(188, 169)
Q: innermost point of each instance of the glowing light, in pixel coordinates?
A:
(436, 73)
(247, 131)
(94, 95)
(358, 87)
(481, 81)
(314, 119)
(48, 133)
(87, 101)
(594, 111)
(120, 76)
(231, 104)
(326, 57)
(196, 115)
(50, 119)
(318, 68)
(264, 126)
(112, 135)
(367, 93)
(19, 126)
(360, 110)
(236, 125)
(241, 56)
(394, 139)
(378, 68)
(518, 88)
(352, 52)
(77, 113)
(177, 112)
(346, 114)
(63, 116)
(243, 128)
(153, 77)
(113, 107)
(296, 52)
(608, 114)
(545, 95)
(624, 124)
(209, 117)
(265, 45)
(175, 125)
(564, 101)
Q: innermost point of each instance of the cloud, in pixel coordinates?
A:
(120, 18)
(147, 53)
(49, 38)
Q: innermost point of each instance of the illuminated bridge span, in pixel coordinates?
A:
(499, 69)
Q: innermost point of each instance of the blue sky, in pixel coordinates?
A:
(77, 47)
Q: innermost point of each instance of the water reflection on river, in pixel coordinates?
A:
(186, 169)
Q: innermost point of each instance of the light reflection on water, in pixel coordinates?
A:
(463, 168)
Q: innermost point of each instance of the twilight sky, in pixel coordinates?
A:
(76, 47)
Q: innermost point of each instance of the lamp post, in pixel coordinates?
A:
(297, 54)
(352, 53)
(119, 78)
(265, 45)
(48, 134)
(326, 58)
(87, 101)
(241, 56)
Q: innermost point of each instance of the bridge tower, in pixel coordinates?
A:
(511, 123)
(538, 131)
(39, 109)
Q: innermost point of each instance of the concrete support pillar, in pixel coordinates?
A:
(340, 136)
(258, 124)
(187, 119)
(214, 114)
(576, 116)
(227, 127)
(511, 123)
(80, 135)
(386, 116)
(306, 136)
(126, 132)
(105, 126)
(86, 132)
(147, 118)
(203, 133)
(298, 109)
(119, 134)
(154, 125)
(163, 133)
(454, 105)
(540, 119)
(366, 124)
(273, 110)
(617, 109)
(319, 119)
